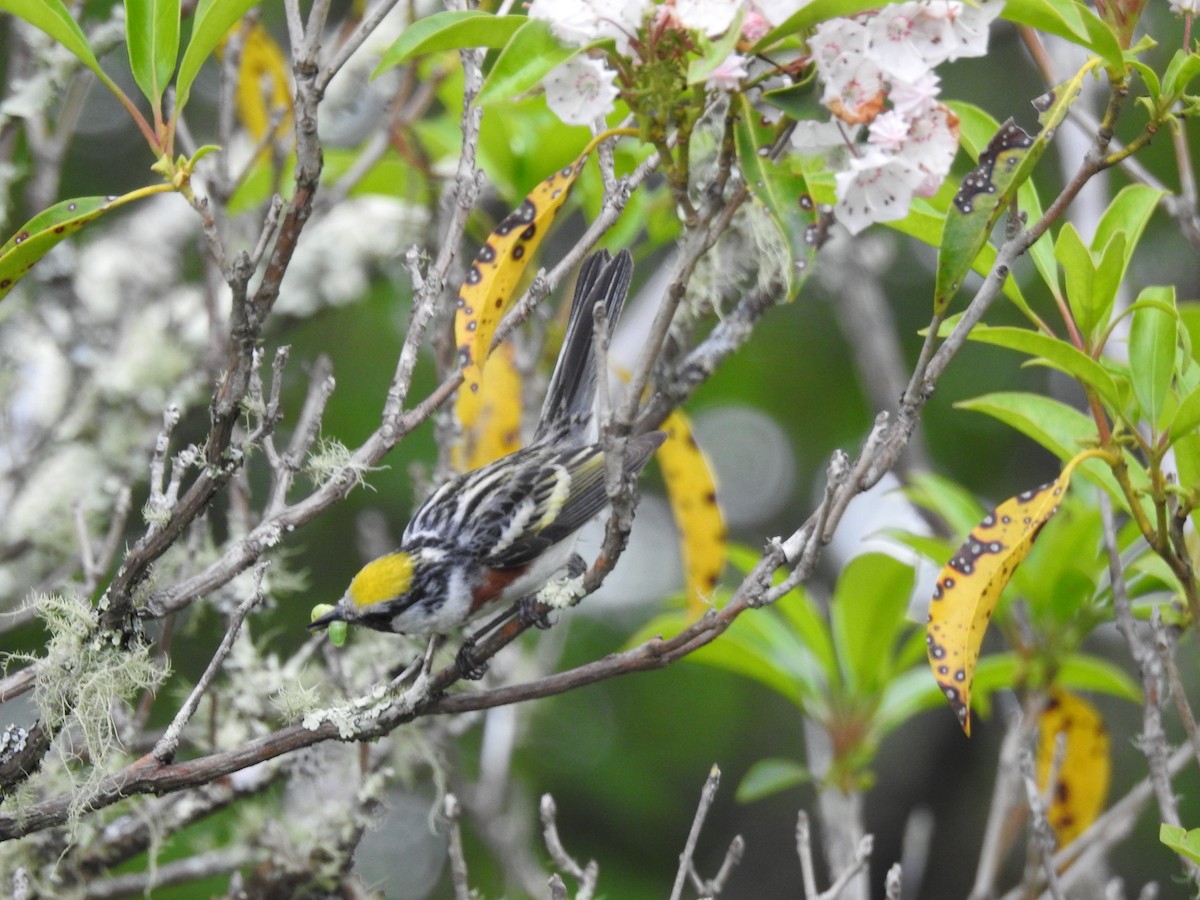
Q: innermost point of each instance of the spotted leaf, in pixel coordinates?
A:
(496, 431)
(692, 490)
(970, 585)
(1082, 784)
(986, 191)
(491, 282)
(39, 235)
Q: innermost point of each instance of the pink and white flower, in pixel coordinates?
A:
(579, 22)
(581, 90)
(877, 187)
(729, 74)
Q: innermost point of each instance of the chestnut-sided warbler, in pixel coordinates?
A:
(500, 533)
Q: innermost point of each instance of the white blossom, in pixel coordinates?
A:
(876, 188)
(914, 98)
(1185, 7)
(581, 90)
(969, 28)
(932, 143)
(712, 17)
(579, 22)
(729, 74)
(889, 131)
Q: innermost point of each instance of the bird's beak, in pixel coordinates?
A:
(334, 615)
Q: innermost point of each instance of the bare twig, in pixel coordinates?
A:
(1004, 798)
(586, 876)
(1042, 832)
(804, 851)
(1154, 737)
(892, 883)
(707, 796)
(164, 751)
(179, 871)
(712, 887)
(458, 862)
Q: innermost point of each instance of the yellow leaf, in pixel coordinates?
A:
(1086, 767)
(496, 430)
(489, 289)
(490, 286)
(262, 85)
(692, 490)
(970, 585)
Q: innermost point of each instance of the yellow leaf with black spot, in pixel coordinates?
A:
(496, 430)
(970, 585)
(262, 85)
(1081, 788)
(490, 286)
(489, 289)
(692, 491)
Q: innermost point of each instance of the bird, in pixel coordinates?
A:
(499, 533)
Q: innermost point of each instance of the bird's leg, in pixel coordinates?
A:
(470, 668)
(576, 566)
(531, 612)
(419, 667)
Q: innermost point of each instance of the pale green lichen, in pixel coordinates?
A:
(83, 676)
(331, 459)
(295, 700)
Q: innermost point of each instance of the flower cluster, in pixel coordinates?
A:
(584, 88)
(890, 138)
(877, 71)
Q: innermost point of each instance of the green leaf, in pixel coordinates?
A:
(39, 235)
(1059, 428)
(925, 223)
(529, 56)
(810, 626)
(759, 647)
(1150, 79)
(52, 17)
(211, 22)
(1109, 273)
(1152, 340)
(907, 694)
(783, 191)
(1084, 672)
(947, 499)
(1071, 20)
(152, 39)
(1185, 843)
(452, 30)
(1187, 416)
(1187, 460)
(770, 776)
(1062, 430)
(1079, 272)
(1059, 354)
(1182, 68)
(867, 617)
(1129, 212)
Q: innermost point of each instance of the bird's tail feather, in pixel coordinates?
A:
(603, 278)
